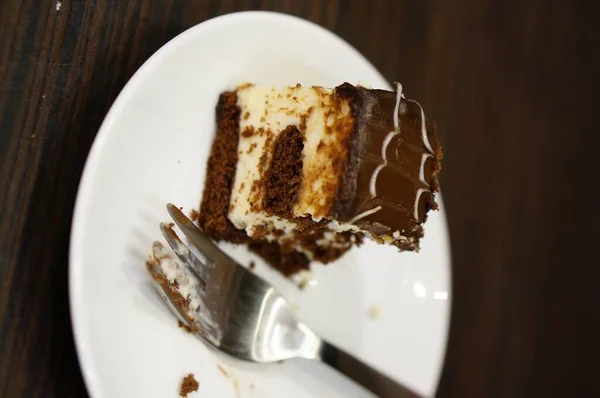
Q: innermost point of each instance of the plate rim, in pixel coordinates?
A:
(85, 361)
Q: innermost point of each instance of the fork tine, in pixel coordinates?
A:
(197, 238)
(188, 258)
(199, 319)
(159, 281)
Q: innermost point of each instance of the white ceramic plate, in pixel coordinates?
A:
(389, 309)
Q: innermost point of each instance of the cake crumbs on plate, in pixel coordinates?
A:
(236, 387)
(234, 381)
(252, 265)
(302, 284)
(304, 279)
(189, 384)
(223, 371)
(374, 311)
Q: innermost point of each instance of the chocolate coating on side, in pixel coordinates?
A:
(399, 183)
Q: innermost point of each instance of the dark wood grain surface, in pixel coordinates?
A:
(512, 85)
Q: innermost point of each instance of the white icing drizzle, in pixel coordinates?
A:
(423, 129)
(364, 214)
(419, 193)
(397, 107)
(387, 140)
(372, 188)
(425, 140)
(422, 168)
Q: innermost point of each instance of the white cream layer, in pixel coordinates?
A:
(273, 109)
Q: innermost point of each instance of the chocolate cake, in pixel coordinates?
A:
(302, 174)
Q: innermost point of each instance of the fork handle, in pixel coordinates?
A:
(363, 374)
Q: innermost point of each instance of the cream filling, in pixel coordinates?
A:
(271, 110)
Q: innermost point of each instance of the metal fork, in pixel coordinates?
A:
(245, 317)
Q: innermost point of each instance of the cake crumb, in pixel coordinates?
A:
(374, 311)
(302, 284)
(252, 265)
(234, 381)
(223, 371)
(194, 215)
(305, 278)
(236, 387)
(184, 326)
(188, 385)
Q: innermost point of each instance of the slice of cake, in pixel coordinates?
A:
(301, 174)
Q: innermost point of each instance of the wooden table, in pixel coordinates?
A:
(510, 84)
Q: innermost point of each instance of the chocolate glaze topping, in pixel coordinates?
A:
(392, 167)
